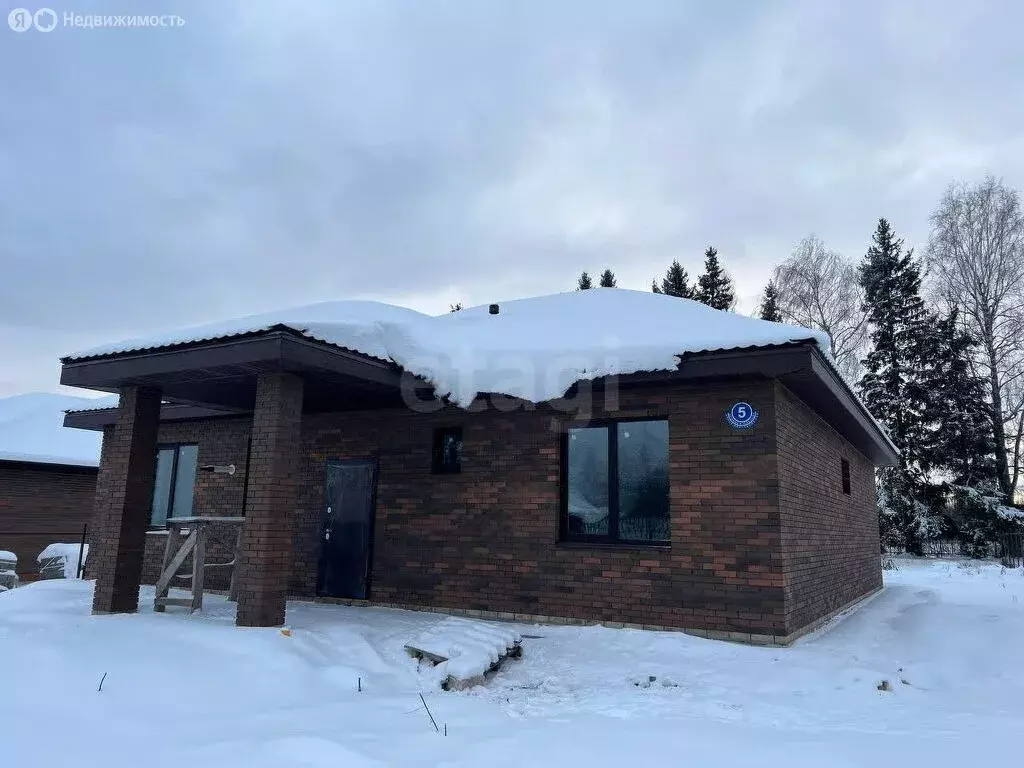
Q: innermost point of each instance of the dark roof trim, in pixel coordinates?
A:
(800, 366)
(228, 337)
(98, 418)
(827, 372)
(49, 466)
(805, 371)
(281, 348)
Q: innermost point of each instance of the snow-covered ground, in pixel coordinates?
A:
(196, 691)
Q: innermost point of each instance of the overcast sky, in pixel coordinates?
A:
(270, 154)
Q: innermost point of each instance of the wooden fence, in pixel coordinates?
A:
(1009, 550)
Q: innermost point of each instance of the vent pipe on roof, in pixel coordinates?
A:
(493, 309)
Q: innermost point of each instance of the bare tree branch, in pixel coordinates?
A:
(976, 256)
(818, 288)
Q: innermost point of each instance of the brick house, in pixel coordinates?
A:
(718, 480)
(47, 476)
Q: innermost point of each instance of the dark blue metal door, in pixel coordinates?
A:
(347, 532)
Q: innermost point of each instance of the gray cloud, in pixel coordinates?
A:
(426, 152)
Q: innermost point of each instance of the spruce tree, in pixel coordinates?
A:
(607, 279)
(770, 304)
(654, 287)
(895, 384)
(676, 282)
(457, 307)
(714, 287)
(584, 282)
(960, 443)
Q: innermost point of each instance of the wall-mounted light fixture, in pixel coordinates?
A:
(218, 469)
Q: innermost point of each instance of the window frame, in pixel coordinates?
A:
(611, 539)
(437, 438)
(172, 482)
(844, 475)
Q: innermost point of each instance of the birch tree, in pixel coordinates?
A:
(976, 254)
(819, 288)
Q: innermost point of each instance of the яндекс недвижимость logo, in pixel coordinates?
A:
(22, 19)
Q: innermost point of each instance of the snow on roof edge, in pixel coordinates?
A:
(36, 458)
(583, 334)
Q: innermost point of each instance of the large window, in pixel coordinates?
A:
(616, 483)
(174, 484)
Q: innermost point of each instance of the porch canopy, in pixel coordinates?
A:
(274, 374)
(219, 375)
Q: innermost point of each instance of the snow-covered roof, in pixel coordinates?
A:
(31, 429)
(96, 404)
(534, 348)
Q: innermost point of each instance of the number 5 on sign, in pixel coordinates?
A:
(741, 416)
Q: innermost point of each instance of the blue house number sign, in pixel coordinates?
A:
(741, 416)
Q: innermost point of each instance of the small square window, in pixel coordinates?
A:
(447, 450)
(844, 466)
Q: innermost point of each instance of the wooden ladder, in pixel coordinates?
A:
(178, 550)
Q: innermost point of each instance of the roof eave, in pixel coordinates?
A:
(887, 453)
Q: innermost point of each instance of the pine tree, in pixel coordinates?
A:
(654, 287)
(676, 282)
(714, 287)
(770, 304)
(584, 282)
(607, 279)
(895, 384)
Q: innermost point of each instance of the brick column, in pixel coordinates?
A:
(102, 489)
(124, 497)
(271, 501)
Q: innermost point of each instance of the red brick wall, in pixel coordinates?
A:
(829, 539)
(40, 505)
(487, 538)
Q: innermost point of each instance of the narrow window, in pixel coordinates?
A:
(845, 468)
(174, 484)
(616, 483)
(447, 450)
(588, 503)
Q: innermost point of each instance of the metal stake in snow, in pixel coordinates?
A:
(432, 721)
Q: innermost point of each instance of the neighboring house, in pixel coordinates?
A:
(47, 475)
(703, 471)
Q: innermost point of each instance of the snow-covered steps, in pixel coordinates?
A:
(461, 652)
